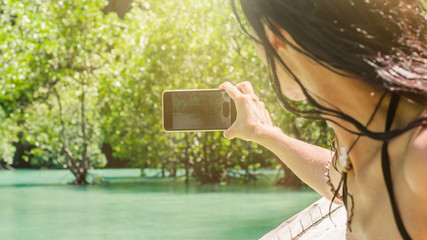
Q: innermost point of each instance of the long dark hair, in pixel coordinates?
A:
(382, 43)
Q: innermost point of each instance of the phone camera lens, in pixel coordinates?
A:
(225, 109)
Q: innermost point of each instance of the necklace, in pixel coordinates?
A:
(347, 166)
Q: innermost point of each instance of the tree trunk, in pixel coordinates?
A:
(79, 172)
(113, 162)
(186, 160)
(163, 169)
(81, 178)
(84, 156)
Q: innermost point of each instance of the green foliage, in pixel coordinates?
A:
(53, 53)
(8, 133)
(74, 78)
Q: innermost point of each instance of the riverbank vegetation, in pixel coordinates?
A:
(82, 80)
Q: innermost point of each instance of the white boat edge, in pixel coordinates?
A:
(314, 222)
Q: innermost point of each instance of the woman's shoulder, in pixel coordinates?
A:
(415, 166)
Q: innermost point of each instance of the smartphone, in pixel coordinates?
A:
(197, 110)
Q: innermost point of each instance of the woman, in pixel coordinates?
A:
(363, 65)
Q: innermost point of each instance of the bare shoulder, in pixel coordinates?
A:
(416, 163)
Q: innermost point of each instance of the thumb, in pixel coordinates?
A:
(229, 133)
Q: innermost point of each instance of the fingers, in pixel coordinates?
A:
(245, 87)
(267, 117)
(265, 113)
(232, 91)
(251, 112)
(261, 105)
(235, 94)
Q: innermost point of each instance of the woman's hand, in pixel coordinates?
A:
(253, 118)
(253, 123)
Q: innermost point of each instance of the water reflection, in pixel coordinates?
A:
(148, 209)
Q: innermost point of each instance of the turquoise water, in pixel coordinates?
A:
(38, 205)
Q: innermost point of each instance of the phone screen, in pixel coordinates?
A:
(197, 110)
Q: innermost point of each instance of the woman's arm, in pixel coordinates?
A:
(253, 123)
(307, 161)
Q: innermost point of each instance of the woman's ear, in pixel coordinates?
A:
(276, 41)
